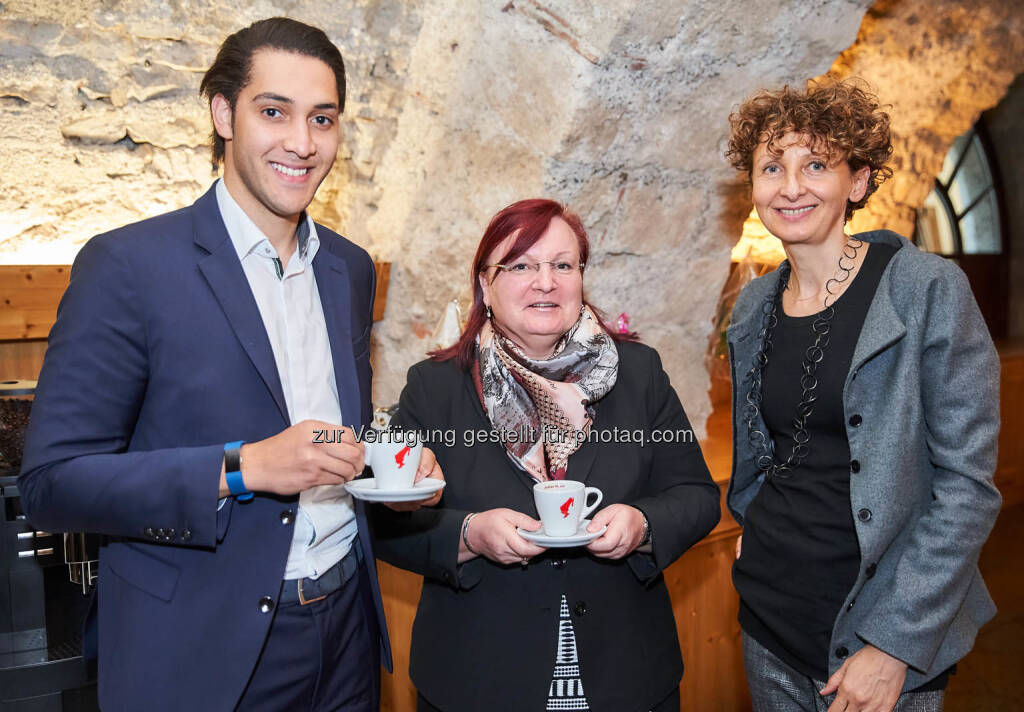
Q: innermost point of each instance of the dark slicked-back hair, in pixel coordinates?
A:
(230, 71)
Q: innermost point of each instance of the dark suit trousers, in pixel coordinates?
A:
(321, 657)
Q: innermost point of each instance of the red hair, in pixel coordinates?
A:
(528, 220)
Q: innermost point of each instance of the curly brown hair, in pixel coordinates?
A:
(845, 123)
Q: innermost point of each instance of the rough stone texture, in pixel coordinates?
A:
(102, 123)
(939, 64)
(620, 111)
(455, 110)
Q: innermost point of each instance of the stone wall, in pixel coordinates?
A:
(455, 110)
(622, 114)
(939, 64)
(102, 123)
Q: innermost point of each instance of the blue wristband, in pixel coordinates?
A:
(233, 470)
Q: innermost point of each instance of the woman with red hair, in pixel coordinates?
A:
(539, 389)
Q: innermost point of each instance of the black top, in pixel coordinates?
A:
(800, 554)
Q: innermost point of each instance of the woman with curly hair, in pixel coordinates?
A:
(865, 416)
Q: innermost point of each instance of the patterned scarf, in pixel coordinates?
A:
(542, 409)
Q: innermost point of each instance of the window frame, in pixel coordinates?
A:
(994, 187)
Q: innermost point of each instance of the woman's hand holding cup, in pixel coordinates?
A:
(625, 531)
(493, 534)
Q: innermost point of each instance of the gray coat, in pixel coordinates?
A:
(925, 382)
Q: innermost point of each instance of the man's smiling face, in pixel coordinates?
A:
(282, 137)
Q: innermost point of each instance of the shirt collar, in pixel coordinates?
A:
(246, 237)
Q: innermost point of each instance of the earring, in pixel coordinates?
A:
(489, 315)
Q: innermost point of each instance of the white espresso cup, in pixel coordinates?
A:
(562, 504)
(394, 456)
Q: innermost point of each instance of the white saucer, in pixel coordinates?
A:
(581, 537)
(366, 489)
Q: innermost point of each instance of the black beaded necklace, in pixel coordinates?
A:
(764, 445)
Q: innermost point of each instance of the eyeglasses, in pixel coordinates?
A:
(525, 270)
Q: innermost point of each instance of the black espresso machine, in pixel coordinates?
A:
(46, 580)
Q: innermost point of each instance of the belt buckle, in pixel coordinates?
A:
(303, 601)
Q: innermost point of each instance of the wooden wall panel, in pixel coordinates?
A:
(400, 590)
(29, 296)
(21, 359)
(705, 606)
(1010, 473)
(380, 297)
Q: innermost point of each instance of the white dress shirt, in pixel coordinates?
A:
(289, 303)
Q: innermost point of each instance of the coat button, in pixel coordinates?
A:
(856, 420)
(581, 608)
(287, 516)
(864, 515)
(266, 604)
(854, 466)
(870, 570)
(842, 652)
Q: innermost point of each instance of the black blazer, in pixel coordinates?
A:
(485, 635)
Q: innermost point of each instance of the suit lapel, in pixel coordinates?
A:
(332, 282)
(223, 272)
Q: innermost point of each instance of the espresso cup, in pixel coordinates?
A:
(562, 504)
(394, 456)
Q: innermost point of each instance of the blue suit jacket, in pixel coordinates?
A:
(158, 357)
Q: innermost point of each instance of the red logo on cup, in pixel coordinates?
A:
(564, 509)
(400, 457)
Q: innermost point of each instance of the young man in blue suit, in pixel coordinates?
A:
(193, 356)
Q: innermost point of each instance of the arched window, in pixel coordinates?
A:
(962, 219)
(961, 214)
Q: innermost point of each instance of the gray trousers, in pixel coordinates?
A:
(777, 687)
